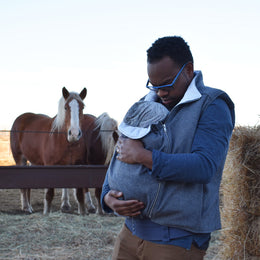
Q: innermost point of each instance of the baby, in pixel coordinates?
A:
(143, 121)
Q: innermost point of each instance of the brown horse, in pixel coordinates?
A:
(100, 135)
(61, 140)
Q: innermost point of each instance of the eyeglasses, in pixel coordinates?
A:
(166, 87)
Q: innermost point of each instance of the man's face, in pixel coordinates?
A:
(163, 72)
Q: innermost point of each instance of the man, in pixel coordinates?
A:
(198, 129)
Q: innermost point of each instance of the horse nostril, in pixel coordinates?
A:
(80, 134)
(69, 132)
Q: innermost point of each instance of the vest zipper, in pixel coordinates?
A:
(159, 185)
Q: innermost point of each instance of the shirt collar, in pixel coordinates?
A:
(192, 92)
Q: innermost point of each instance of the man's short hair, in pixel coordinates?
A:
(172, 46)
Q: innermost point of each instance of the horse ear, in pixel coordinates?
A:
(65, 93)
(83, 93)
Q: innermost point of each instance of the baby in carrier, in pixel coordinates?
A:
(143, 121)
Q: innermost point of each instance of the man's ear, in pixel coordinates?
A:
(189, 70)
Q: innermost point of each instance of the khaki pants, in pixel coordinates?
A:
(130, 247)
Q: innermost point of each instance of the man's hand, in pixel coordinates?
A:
(132, 151)
(127, 208)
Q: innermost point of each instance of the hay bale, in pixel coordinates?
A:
(253, 241)
(241, 196)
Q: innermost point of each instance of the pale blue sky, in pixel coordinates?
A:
(101, 45)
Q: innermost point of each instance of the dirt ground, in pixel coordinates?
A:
(59, 235)
(10, 202)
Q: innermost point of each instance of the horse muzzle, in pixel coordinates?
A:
(74, 135)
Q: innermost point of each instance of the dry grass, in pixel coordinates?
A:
(58, 236)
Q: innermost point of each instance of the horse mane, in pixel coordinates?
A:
(107, 126)
(59, 120)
